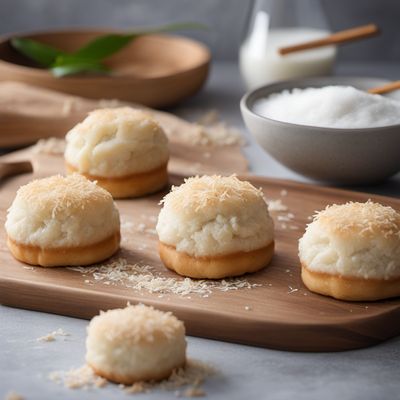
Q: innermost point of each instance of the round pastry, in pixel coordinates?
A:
(137, 343)
(62, 221)
(352, 252)
(123, 149)
(214, 227)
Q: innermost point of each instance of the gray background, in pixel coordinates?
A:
(226, 19)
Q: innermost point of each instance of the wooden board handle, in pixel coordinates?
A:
(348, 35)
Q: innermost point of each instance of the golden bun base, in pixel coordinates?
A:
(215, 267)
(64, 256)
(134, 185)
(349, 288)
(130, 379)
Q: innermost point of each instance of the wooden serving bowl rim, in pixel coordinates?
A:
(204, 51)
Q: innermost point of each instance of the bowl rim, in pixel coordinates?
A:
(253, 95)
(43, 73)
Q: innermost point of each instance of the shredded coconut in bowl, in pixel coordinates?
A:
(331, 107)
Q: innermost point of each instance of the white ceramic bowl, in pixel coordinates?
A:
(339, 156)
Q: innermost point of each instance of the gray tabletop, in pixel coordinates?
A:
(243, 372)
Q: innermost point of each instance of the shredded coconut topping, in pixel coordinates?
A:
(145, 277)
(207, 191)
(367, 219)
(63, 193)
(136, 324)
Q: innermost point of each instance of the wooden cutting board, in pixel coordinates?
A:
(277, 312)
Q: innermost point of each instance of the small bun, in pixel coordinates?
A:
(213, 227)
(124, 149)
(137, 343)
(62, 221)
(352, 252)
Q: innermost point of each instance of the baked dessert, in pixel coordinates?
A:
(125, 150)
(136, 343)
(215, 227)
(60, 220)
(352, 252)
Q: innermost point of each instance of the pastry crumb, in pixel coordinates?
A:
(51, 337)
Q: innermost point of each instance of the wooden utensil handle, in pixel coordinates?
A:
(389, 87)
(345, 36)
(14, 168)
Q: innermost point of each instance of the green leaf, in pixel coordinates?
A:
(178, 26)
(105, 46)
(43, 54)
(72, 65)
(88, 59)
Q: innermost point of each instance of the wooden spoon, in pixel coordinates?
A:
(14, 168)
(348, 35)
(389, 87)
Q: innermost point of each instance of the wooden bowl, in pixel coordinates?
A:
(154, 70)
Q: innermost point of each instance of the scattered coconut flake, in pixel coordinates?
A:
(141, 227)
(12, 395)
(145, 277)
(194, 392)
(51, 337)
(247, 308)
(190, 377)
(82, 377)
(110, 103)
(284, 192)
(211, 130)
(127, 225)
(292, 290)
(285, 218)
(28, 268)
(67, 107)
(276, 205)
(208, 118)
(193, 374)
(137, 387)
(50, 145)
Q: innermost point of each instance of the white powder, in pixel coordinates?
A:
(330, 106)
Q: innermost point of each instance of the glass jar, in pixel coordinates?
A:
(277, 23)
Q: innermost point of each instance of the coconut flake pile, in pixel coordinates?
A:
(185, 381)
(145, 277)
(331, 107)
